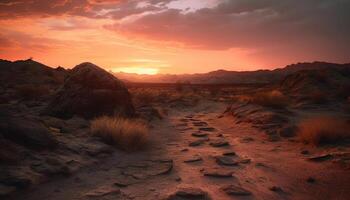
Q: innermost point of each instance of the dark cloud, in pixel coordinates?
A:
(288, 25)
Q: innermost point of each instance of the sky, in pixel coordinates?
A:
(175, 36)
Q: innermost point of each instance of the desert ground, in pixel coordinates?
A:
(283, 140)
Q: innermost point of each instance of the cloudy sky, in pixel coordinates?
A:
(175, 36)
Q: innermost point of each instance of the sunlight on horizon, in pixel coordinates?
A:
(137, 70)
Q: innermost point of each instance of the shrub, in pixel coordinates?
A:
(126, 134)
(324, 130)
(273, 99)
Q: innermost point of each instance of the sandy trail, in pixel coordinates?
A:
(172, 163)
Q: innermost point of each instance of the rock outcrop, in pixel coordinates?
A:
(90, 91)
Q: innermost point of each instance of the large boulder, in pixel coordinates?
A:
(90, 91)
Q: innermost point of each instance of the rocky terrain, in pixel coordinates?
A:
(206, 142)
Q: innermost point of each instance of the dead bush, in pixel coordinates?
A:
(126, 134)
(273, 99)
(324, 130)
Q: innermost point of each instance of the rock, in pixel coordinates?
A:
(245, 161)
(209, 129)
(276, 189)
(246, 140)
(27, 132)
(229, 153)
(199, 134)
(51, 167)
(304, 152)
(219, 173)
(321, 158)
(103, 191)
(197, 142)
(200, 123)
(288, 131)
(225, 160)
(148, 169)
(89, 92)
(194, 158)
(235, 190)
(310, 180)
(124, 181)
(185, 149)
(189, 193)
(219, 143)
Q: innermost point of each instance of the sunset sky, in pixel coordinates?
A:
(175, 36)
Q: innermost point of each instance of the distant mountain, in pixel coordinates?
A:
(224, 77)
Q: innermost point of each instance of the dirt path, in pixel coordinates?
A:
(181, 156)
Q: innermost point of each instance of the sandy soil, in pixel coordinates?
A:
(177, 159)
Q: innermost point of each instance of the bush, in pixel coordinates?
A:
(273, 99)
(126, 134)
(324, 130)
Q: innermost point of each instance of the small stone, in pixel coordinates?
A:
(189, 193)
(209, 129)
(229, 153)
(199, 134)
(305, 152)
(218, 173)
(185, 149)
(102, 191)
(235, 190)
(276, 189)
(197, 143)
(225, 160)
(219, 143)
(219, 135)
(310, 180)
(245, 161)
(246, 140)
(200, 123)
(194, 158)
(321, 158)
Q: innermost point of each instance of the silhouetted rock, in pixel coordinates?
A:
(90, 91)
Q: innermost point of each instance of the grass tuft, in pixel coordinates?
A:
(125, 134)
(324, 130)
(272, 99)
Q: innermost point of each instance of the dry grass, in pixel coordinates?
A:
(126, 134)
(324, 130)
(272, 99)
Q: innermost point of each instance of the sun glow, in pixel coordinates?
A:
(137, 70)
